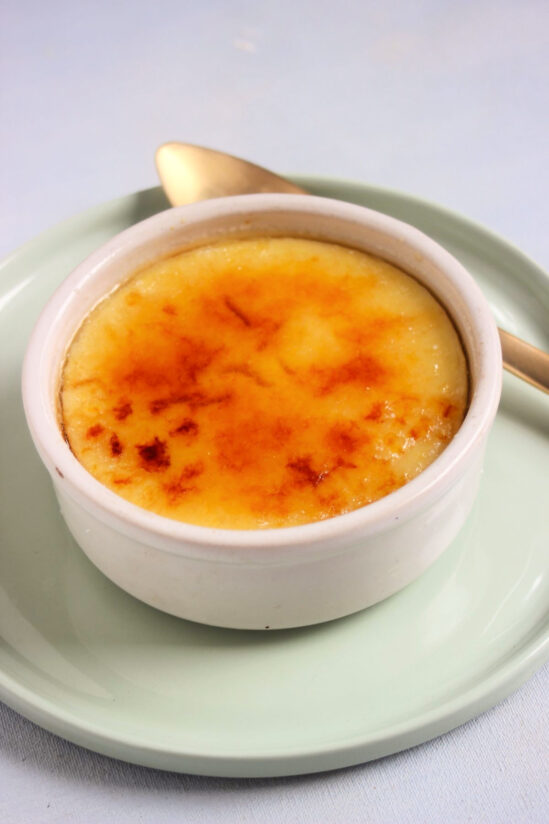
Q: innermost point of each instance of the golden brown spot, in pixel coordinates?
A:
(286, 368)
(163, 359)
(361, 369)
(194, 357)
(266, 330)
(196, 400)
(192, 470)
(345, 438)
(169, 309)
(116, 446)
(180, 486)
(375, 412)
(237, 311)
(187, 427)
(160, 404)
(140, 378)
(154, 455)
(95, 430)
(122, 411)
(306, 474)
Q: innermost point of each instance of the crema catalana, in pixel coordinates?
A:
(264, 382)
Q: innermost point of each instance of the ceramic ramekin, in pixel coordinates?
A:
(274, 578)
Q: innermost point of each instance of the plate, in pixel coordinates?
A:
(89, 662)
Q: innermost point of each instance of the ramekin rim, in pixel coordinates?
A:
(370, 518)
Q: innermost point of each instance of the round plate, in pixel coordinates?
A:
(89, 662)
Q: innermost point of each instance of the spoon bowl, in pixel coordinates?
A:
(190, 173)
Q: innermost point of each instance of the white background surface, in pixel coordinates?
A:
(446, 100)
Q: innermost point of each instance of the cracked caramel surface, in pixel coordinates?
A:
(265, 382)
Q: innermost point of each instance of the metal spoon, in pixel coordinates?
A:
(189, 173)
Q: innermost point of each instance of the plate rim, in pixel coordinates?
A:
(506, 675)
(277, 762)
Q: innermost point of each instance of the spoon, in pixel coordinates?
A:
(189, 173)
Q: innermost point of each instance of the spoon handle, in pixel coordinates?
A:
(524, 360)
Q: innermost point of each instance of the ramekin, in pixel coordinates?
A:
(274, 578)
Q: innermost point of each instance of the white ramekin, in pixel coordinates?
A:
(274, 578)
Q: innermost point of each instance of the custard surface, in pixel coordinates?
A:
(265, 382)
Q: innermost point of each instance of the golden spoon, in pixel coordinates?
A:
(189, 173)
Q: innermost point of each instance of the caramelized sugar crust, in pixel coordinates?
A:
(263, 383)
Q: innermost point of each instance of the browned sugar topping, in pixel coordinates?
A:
(267, 382)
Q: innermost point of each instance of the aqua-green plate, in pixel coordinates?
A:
(90, 663)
